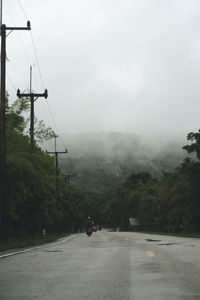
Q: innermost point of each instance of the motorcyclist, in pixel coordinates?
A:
(89, 224)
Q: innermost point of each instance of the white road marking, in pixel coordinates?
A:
(38, 247)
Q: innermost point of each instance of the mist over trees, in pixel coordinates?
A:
(159, 187)
(102, 159)
(118, 176)
(170, 203)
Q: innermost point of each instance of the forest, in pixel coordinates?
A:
(168, 204)
(165, 201)
(33, 201)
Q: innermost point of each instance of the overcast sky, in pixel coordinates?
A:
(109, 65)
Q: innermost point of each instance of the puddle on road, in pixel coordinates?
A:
(150, 240)
(169, 244)
(166, 244)
(54, 250)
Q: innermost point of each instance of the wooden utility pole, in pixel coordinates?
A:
(68, 176)
(57, 170)
(33, 97)
(3, 199)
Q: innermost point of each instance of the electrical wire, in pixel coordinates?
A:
(37, 60)
(40, 73)
(22, 9)
(42, 82)
(26, 113)
(18, 34)
(21, 42)
(59, 136)
(11, 81)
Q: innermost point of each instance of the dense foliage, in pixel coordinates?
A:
(33, 203)
(108, 189)
(169, 204)
(162, 194)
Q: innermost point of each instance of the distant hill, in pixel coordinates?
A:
(102, 159)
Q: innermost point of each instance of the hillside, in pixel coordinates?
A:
(102, 159)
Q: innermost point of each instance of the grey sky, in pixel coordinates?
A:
(110, 65)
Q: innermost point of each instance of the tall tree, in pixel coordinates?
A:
(195, 146)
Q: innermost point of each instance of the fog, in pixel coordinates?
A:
(101, 159)
(119, 145)
(128, 66)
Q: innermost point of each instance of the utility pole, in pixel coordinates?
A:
(57, 170)
(68, 176)
(33, 97)
(3, 199)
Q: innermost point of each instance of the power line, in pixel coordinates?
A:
(20, 39)
(18, 34)
(22, 9)
(11, 81)
(41, 79)
(40, 73)
(55, 125)
(25, 52)
(37, 60)
(33, 43)
(42, 82)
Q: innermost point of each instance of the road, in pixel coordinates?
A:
(107, 265)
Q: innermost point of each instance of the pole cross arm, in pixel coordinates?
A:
(62, 152)
(55, 152)
(48, 152)
(45, 94)
(19, 28)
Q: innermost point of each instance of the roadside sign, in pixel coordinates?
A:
(133, 221)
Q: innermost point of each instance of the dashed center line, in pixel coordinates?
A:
(150, 253)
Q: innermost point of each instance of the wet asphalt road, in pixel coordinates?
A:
(108, 265)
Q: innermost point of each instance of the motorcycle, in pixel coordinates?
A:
(89, 231)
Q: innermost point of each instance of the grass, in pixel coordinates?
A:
(26, 241)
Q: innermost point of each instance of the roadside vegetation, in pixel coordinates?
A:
(27, 240)
(33, 203)
(170, 203)
(167, 203)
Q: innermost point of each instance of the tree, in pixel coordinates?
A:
(43, 133)
(194, 147)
